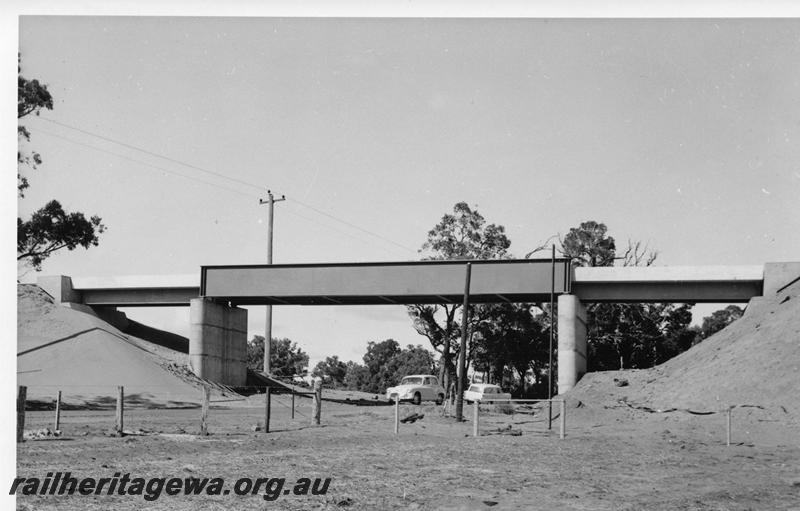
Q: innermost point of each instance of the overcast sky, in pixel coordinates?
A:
(679, 133)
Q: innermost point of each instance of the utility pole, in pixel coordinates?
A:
(550, 364)
(462, 354)
(271, 200)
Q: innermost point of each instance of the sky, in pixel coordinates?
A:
(682, 134)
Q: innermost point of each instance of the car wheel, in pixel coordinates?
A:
(417, 398)
(440, 399)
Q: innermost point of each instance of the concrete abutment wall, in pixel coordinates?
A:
(218, 342)
(780, 275)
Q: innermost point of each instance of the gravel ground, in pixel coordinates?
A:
(611, 458)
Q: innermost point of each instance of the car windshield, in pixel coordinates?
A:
(411, 380)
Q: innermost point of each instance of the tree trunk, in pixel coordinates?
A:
(445, 370)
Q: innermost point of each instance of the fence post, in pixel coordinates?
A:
(562, 419)
(317, 401)
(728, 443)
(267, 408)
(21, 398)
(204, 411)
(58, 411)
(397, 414)
(292, 402)
(120, 399)
(475, 418)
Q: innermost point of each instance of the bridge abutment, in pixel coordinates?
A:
(60, 288)
(571, 342)
(218, 342)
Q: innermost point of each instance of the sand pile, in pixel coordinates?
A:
(754, 361)
(74, 351)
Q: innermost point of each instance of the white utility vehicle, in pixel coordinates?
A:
(485, 393)
(417, 388)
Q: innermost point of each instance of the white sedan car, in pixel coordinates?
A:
(485, 393)
(417, 388)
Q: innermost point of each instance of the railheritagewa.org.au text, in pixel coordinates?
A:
(154, 488)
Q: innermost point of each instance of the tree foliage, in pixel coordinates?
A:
(357, 377)
(50, 228)
(719, 320)
(286, 358)
(511, 336)
(635, 336)
(32, 96)
(385, 364)
(331, 370)
(462, 234)
(626, 335)
(589, 245)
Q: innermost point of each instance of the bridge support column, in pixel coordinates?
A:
(218, 342)
(571, 342)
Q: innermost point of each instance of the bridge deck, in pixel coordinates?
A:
(138, 290)
(525, 280)
(689, 284)
(425, 282)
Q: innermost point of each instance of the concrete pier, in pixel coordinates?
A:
(571, 342)
(218, 342)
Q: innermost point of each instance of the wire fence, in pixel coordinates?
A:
(84, 410)
(44, 411)
(492, 416)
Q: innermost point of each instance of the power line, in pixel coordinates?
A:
(313, 222)
(129, 146)
(354, 226)
(317, 223)
(223, 176)
(169, 171)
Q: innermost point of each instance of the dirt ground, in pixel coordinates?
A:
(611, 458)
(651, 439)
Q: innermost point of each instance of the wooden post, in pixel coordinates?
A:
(267, 406)
(21, 398)
(397, 414)
(120, 399)
(562, 420)
(204, 412)
(317, 402)
(57, 425)
(729, 426)
(292, 402)
(475, 418)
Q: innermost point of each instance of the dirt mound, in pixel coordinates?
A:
(754, 361)
(73, 350)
